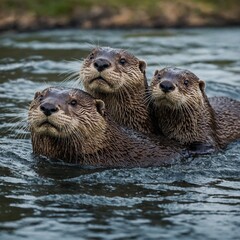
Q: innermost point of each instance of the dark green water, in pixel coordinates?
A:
(197, 199)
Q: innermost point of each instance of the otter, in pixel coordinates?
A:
(71, 125)
(118, 78)
(185, 113)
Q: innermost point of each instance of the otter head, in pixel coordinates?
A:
(107, 70)
(175, 88)
(67, 114)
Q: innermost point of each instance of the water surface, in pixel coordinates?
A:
(196, 199)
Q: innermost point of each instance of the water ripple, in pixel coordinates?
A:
(197, 198)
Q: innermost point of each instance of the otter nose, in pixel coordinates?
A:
(48, 108)
(166, 86)
(101, 64)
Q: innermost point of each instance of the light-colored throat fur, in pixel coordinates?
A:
(75, 149)
(68, 146)
(113, 152)
(187, 123)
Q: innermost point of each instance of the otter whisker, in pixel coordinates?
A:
(19, 127)
(147, 100)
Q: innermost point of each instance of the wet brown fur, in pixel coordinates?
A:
(84, 134)
(124, 90)
(187, 115)
(227, 112)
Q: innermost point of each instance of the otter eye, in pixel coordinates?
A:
(186, 82)
(91, 57)
(73, 103)
(122, 61)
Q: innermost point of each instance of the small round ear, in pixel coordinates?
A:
(37, 94)
(100, 105)
(202, 85)
(142, 66)
(156, 72)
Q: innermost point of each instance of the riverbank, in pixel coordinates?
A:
(34, 15)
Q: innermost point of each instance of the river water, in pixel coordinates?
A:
(196, 199)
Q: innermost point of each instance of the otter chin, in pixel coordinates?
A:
(47, 126)
(71, 125)
(118, 78)
(184, 112)
(101, 84)
(170, 99)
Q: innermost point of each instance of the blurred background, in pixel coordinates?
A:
(29, 15)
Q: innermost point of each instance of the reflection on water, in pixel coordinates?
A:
(195, 199)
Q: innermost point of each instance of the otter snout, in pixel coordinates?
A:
(101, 64)
(166, 86)
(48, 108)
